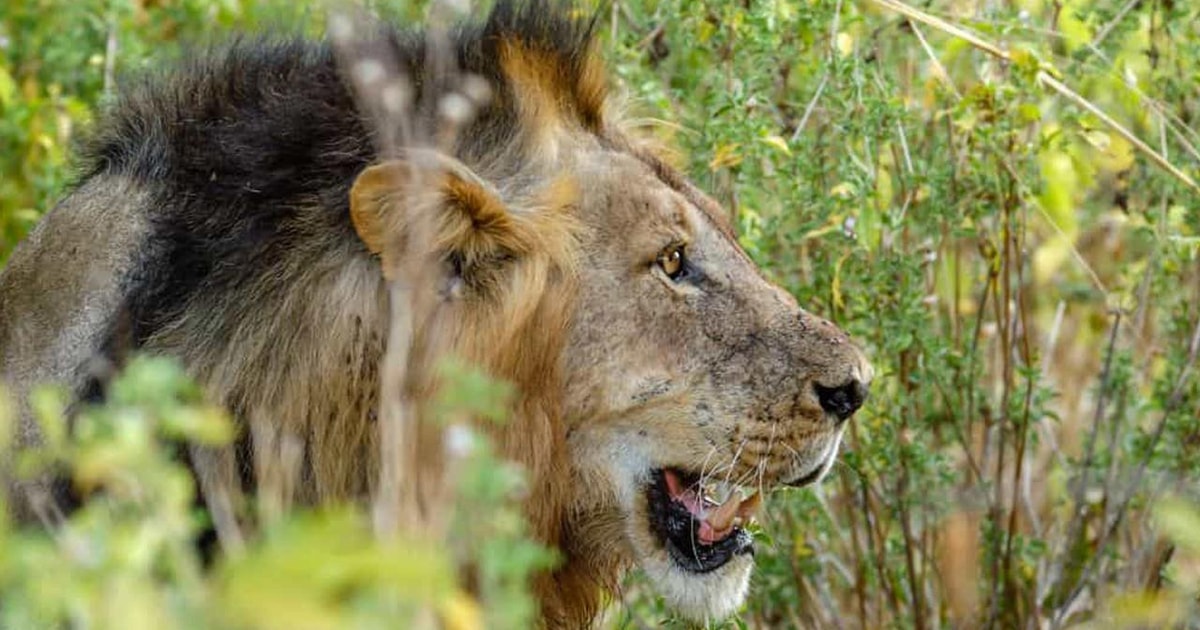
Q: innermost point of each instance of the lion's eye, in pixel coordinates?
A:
(672, 263)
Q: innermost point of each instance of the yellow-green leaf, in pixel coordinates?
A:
(778, 143)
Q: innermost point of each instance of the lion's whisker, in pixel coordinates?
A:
(763, 461)
(733, 464)
(705, 473)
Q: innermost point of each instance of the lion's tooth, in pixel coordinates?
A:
(749, 506)
(674, 485)
(721, 517)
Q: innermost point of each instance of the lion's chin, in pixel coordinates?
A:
(701, 597)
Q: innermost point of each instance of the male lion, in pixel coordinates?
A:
(237, 214)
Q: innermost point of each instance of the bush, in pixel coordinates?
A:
(128, 557)
(996, 199)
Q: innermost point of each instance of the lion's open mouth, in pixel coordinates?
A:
(699, 534)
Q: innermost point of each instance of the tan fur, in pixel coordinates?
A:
(55, 296)
(619, 370)
(548, 95)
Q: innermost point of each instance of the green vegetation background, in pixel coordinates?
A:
(1024, 275)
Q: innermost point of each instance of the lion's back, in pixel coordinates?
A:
(193, 185)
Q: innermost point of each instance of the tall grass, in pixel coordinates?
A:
(996, 197)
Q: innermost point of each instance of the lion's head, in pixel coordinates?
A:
(663, 374)
(688, 377)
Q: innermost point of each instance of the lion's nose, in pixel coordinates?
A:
(844, 400)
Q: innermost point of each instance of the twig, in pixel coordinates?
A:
(1108, 28)
(110, 55)
(1075, 527)
(942, 74)
(1043, 78)
(1171, 407)
(1051, 346)
(1155, 156)
(808, 110)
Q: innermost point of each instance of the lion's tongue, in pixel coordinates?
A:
(716, 521)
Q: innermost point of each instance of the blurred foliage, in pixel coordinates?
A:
(1025, 278)
(128, 557)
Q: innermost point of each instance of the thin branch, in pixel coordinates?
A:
(1079, 496)
(941, 74)
(1045, 79)
(1108, 28)
(808, 110)
(1110, 529)
(110, 55)
(1155, 156)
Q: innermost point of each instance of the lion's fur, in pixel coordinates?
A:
(250, 226)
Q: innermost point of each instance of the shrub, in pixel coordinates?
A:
(997, 199)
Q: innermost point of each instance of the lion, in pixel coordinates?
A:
(239, 213)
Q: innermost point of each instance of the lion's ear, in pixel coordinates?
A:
(369, 197)
(470, 220)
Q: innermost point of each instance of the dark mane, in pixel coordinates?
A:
(251, 145)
